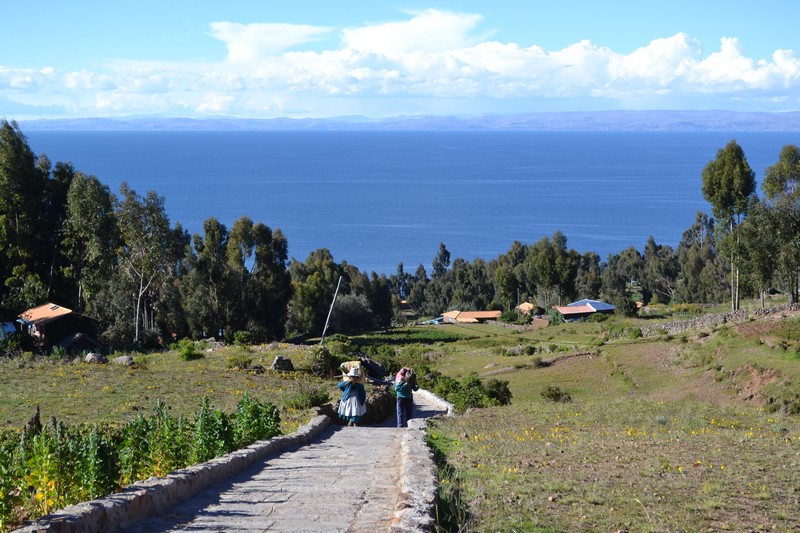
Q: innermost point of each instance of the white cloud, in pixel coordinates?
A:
(250, 42)
(413, 64)
(428, 31)
(215, 103)
(660, 62)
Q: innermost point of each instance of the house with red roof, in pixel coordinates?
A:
(55, 324)
(469, 317)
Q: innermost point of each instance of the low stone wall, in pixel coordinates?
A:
(716, 319)
(158, 495)
(415, 511)
(419, 486)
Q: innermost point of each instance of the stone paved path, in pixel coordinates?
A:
(346, 480)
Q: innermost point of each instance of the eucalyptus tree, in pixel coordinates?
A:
(89, 237)
(567, 262)
(472, 285)
(540, 267)
(441, 262)
(313, 286)
(146, 252)
(207, 284)
(23, 192)
(506, 285)
(624, 271)
(553, 268)
(761, 247)
(508, 273)
(171, 316)
(660, 270)
(401, 282)
(781, 189)
(439, 294)
(588, 279)
(271, 285)
(783, 178)
(439, 290)
(702, 277)
(416, 292)
(728, 184)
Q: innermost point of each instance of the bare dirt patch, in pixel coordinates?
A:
(751, 330)
(750, 382)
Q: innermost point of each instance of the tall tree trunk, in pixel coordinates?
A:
(137, 312)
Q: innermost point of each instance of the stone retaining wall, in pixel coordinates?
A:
(712, 320)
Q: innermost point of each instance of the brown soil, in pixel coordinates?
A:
(750, 382)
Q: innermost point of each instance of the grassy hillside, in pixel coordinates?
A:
(690, 432)
(685, 433)
(77, 392)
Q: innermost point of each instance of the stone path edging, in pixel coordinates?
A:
(415, 510)
(158, 494)
(419, 486)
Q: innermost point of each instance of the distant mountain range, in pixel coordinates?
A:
(555, 121)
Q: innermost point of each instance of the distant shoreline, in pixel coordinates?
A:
(598, 121)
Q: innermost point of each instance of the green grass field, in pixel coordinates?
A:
(690, 432)
(78, 393)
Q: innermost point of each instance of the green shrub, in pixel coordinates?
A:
(212, 435)
(255, 421)
(187, 349)
(498, 390)
(625, 306)
(10, 496)
(387, 356)
(320, 361)
(44, 468)
(555, 393)
(509, 317)
(470, 392)
(555, 317)
(307, 398)
(58, 352)
(242, 338)
(239, 362)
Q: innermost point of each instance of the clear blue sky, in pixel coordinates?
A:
(323, 58)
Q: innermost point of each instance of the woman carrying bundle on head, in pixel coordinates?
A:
(405, 385)
(353, 404)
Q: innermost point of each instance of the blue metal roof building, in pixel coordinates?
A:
(597, 305)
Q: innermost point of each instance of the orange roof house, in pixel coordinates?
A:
(470, 317)
(525, 308)
(37, 317)
(574, 311)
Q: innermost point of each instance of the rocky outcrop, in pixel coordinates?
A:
(95, 358)
(282, 363)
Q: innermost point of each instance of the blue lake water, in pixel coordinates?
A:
(376, 199)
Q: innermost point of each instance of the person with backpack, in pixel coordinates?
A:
(405, 385)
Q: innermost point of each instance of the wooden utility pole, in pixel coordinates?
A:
(339, 284)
